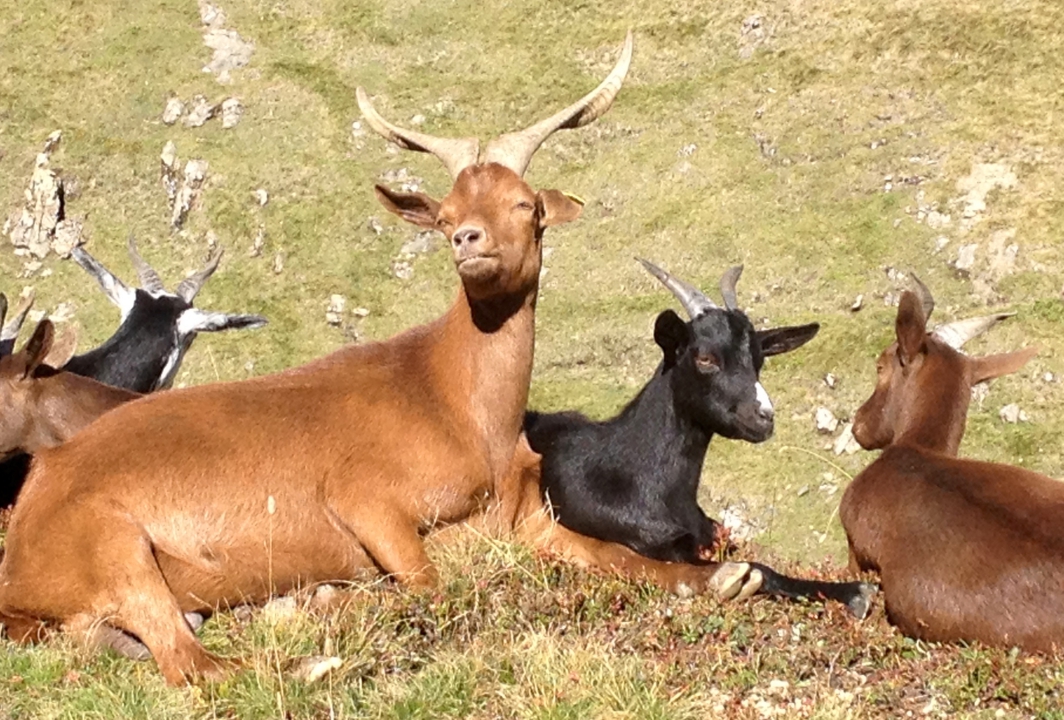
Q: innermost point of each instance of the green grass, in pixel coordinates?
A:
(784, 178)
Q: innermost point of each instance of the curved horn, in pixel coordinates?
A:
(9, 333)
(924, 294)
(955, 334)
(514, 150)
(456, 154)
(727, 286)
(187, 288)
(692, 299)
(149, 279)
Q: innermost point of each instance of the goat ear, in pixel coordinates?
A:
(992, 366)
(671, 335)
(417, 208)
(63, 348)
(37, 347)
(556, 208)
(195, 320)
(910, 326)
(784, 339)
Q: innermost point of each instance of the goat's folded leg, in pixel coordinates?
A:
(145, 607)
(392, 539)
(103, 636)
(856, 596)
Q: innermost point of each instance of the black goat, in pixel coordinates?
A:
(634, 479)
(157, 327)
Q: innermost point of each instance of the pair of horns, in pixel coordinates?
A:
(694, 301)
(9, 332)
(513, 150)
(187, 289)
(959, 332)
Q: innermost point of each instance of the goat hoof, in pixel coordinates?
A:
(861, 603)
(727, 581)
(122, 643)
(195, 620)
(751, 585)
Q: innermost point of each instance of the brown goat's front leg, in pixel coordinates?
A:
(392, 539)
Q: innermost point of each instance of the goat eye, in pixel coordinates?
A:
(443, 223)
(524, 205)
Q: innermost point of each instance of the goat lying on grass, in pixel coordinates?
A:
(634, 479)
(41, 407)
(223, 494)
(966, 550)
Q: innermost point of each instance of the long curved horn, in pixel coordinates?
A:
(955, 334)
(514, 150)
(693, 300)
(187, 288)
(924, 294)
(727, 287)
(149, 279)
(456, 154)
(9, 332)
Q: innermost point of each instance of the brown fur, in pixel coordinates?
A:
(41, 406)
(966, 550)
(222, 494)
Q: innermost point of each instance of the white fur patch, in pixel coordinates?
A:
(763, 402)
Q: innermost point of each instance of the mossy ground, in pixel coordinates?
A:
(807, 155)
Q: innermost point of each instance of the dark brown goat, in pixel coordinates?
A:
(41, 407)
(966, 550)
(222, 494)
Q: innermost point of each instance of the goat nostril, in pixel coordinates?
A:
(467, 236)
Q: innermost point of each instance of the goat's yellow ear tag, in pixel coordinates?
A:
(575, 198)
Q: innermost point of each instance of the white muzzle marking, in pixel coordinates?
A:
(763, 402)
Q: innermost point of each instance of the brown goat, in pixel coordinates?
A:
(41, 407)
(966, 550)
(222, 494)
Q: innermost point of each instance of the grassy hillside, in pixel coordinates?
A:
(822, 144)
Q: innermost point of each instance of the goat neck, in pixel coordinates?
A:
(679, 436)
(67, 403)
(485, 352)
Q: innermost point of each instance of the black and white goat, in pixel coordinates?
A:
(157, 327)
(634, 479)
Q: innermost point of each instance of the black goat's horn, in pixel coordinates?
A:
(149, 279)
(727, 287)
(693, 300)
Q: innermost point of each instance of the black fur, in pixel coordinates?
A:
(634, 479)
(135, 356)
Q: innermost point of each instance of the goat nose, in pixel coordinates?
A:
(466, 236)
